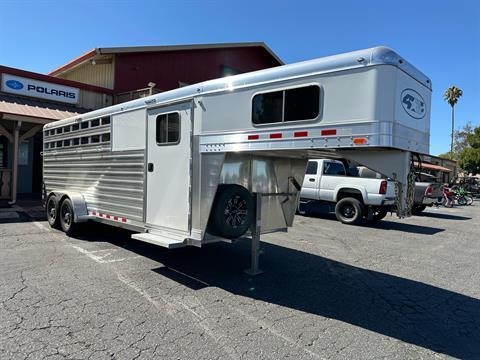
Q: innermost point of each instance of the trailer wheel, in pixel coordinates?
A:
(349, 211)
(51, 209)
(232, 212)
(67, 222)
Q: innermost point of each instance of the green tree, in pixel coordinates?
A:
(470, 156)
(460, 141)
(451, 95)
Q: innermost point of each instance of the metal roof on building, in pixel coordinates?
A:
(142, 49)
(432, 166)
(20, 106)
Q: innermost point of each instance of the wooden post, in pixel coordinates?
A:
(16, 136)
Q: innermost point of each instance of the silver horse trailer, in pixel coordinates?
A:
(184, 167)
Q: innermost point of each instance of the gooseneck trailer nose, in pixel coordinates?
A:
(180, 167)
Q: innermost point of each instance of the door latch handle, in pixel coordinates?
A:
(311, 179)
(150, 167)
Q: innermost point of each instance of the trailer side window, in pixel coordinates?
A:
(267, 108)
(312, 168)
(301, 103)
(168, 129)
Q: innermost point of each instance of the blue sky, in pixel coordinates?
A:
(441, 38)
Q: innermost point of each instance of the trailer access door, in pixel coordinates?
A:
(168, 167)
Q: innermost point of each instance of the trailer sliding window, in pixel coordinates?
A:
(168, 129)
(296, 104)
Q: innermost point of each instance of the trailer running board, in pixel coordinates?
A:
(169, 242)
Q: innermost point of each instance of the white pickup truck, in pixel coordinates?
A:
(355, 198)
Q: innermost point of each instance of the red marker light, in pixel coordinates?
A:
(300, 133)
(329, 132)
(276, 136)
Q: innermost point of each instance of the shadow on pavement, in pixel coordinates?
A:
(443, 216)
(19, 217)
(414, 312)
(404, 227)
(384, 224)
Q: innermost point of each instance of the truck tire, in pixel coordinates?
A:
(417, 209)
(67, 223)
(51, 209)
(232, 212)
(379, 214)
(349, 211)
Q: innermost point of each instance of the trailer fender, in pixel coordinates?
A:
(80, 211)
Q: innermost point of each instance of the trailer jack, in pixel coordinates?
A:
(256, 230)
(255, 245)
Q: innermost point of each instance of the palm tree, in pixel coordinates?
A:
(451, 95)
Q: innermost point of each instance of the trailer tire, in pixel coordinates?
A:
(51, 208)
(349, 211)
(67, 220)
(232, 212)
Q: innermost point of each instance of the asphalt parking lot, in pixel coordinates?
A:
(399, 289)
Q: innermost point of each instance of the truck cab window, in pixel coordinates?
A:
(168, 129)
(312, 168)
(333, 168)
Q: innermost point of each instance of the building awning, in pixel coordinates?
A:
(432, 167)
(14, 105)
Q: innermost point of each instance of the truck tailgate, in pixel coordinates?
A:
(390, 190)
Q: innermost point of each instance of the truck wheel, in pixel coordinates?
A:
(349, 211)
(417, 209)
(67, 223)
(379, 214)
(52, 212)
(232, 212)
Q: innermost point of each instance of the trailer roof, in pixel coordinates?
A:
(357, 59)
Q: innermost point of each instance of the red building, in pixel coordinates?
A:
(133, 72)
(99, 78)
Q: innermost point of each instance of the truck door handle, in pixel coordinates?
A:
(150, 167)
(311, 179)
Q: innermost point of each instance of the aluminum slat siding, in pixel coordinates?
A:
(111, 182)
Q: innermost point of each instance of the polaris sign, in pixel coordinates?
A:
(39, 89)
